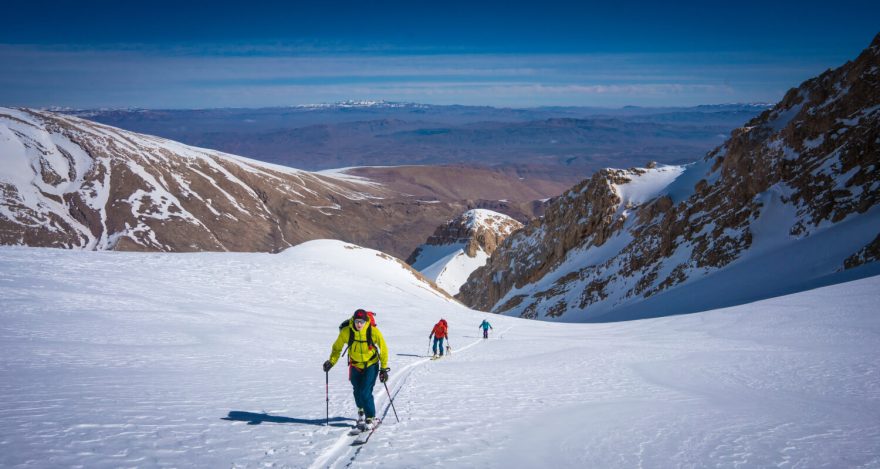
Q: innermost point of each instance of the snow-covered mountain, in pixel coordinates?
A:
(460, 246)
(789, 202)
(223, 369)
(362, 103)
(72, 183)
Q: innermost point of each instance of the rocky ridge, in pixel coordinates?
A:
(72, 183)
(804, 166)
(477, 229)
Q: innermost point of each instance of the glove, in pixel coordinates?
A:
(383, 374)
(327, 366)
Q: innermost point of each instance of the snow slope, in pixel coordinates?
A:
(113, 359)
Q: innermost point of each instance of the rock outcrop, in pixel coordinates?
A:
(800, 169)
(461, 245)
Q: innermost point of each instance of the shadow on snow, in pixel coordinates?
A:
(255, 419)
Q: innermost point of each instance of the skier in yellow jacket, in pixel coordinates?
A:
(367, 359)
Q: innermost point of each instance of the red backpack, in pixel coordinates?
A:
(372, 317)
(440, 329)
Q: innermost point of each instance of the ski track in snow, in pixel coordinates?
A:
(116, 359)
(342, 453)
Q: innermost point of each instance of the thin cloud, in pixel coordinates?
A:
(156, 77)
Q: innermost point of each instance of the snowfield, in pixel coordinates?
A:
(113, 359)
(448, 265)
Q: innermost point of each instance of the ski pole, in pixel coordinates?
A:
(327, 391)
(430, 350)
(390, 399)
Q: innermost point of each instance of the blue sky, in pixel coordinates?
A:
(249, 54)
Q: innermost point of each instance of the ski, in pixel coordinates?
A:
(364, 437)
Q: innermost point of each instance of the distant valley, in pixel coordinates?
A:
(562, 144)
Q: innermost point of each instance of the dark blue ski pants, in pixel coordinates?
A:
(438, 342)
(363, 382)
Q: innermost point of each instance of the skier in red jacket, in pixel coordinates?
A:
(440, 333)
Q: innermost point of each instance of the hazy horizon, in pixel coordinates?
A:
(355, 103)
(98, 54)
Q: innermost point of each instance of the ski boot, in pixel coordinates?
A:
(371, 423)
(361, 422)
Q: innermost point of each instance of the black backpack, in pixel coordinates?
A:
(346, 323)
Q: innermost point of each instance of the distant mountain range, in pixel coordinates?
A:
(72, 183)
(362, 104)
(789, 202)
(559, 143)
(786, 202)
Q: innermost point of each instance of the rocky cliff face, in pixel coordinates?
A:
(477, 230)
(461, 245)
(71, 183)
(809, 165)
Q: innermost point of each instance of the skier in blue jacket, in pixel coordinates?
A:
(486, 326)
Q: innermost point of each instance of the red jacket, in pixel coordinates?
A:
(440, 330)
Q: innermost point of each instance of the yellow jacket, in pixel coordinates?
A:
(360, 354)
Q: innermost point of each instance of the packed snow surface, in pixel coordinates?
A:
(115, 359)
